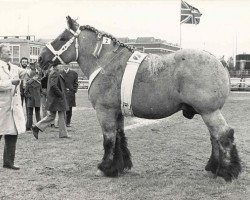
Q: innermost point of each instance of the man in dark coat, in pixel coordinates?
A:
(33, 94)
(71, 84)
(56, 102)
(44, 83)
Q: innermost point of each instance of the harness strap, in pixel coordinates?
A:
(77, 48)
(128, 81)
(65, 46)
(56, 53)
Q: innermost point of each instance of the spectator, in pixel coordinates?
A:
(56, 102)
(71, 84)
(32, 93)
(12, 121)
(23, 64)
(44, 82)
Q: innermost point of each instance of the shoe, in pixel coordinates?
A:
(68, 125)
(65, 137)
(11, 167)
(35, 130)
(54, 126)
(28, 129)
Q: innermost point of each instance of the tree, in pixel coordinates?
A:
(230, 63)
(223, 62)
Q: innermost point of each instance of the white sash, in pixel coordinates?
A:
(93, 75)
(128, 81)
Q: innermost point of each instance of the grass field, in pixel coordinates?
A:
(169, 157)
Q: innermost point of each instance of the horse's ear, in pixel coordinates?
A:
(69, 21)
(72, 24)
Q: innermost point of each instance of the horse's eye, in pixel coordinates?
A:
(63, 39)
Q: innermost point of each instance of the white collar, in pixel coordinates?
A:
(2, 63)
(66, 70)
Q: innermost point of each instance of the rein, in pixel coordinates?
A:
(59, 52)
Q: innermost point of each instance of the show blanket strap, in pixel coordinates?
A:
(92, 76)
(128, 81)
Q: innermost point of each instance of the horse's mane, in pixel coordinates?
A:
(101, 33)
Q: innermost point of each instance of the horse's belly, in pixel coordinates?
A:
(153, 104)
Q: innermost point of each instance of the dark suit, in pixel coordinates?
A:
(56, 92)
(32, 93)
(56, 102)
(71, 84)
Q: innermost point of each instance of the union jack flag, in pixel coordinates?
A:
(189, 14)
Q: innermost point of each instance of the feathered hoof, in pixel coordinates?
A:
(108, 169)
(229, 172)
(127, 165)
(212, 165)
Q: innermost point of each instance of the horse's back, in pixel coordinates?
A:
(164, 83)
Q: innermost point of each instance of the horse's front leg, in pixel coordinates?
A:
(124, 146)
(112, 161)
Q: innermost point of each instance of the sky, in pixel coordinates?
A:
(223, 29)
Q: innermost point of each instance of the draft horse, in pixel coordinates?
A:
(191, 81)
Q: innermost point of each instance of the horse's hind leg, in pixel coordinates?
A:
(112, 161)
(124, 147)
(224, 160)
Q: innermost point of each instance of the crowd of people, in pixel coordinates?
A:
(27, 87)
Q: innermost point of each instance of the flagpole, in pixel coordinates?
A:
(235, 49)
(180, 25)
(180, 35)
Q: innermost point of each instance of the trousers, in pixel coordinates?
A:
(30, 116)
(68, 115)
(43, 102)
(9, 149)
(46, 121)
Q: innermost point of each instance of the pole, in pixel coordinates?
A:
(28, 28)
(180, 27)
(235, 50)
(180, 35)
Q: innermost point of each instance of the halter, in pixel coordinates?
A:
(65, 46)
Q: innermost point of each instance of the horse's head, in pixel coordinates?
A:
(63, 49)
(83, 44)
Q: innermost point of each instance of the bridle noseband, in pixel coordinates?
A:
(59, 52)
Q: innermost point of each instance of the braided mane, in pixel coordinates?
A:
(115, 41)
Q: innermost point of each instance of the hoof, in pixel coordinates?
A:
(108, 168)
(212, 166)
(99, 173)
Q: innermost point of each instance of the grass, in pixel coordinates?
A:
(169, 159)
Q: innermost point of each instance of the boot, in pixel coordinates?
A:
(9, 152)
(35, 130)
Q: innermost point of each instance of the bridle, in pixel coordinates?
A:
(59, 52)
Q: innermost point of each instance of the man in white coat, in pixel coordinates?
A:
(12, 120)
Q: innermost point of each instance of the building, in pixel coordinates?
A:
(151, 45)
(23, 47)
(243, 62)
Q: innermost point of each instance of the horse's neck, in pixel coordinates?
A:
(107, 56)
(111, 55)
(87, 64)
